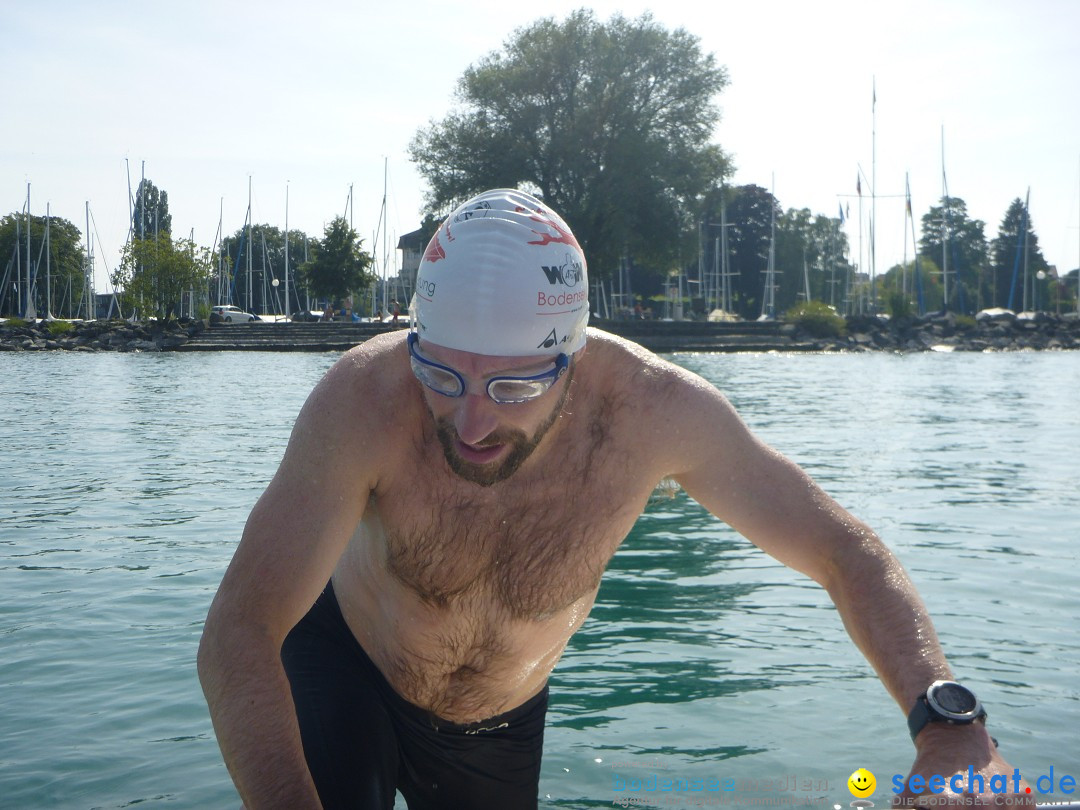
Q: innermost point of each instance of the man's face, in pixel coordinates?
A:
(483, 441)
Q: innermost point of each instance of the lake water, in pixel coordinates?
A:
(125, 481)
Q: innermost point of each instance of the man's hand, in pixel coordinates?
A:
(961, 766)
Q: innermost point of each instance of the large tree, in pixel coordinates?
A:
(609, 123)
(1016, 261)
(150, 213)
(154, 274)
(61, 266)
(338, 266)
(265, 246)
(957, 244)
(750, 212)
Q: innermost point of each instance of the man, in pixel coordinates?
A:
(392, 613)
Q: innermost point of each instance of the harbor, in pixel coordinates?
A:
(1000, 331)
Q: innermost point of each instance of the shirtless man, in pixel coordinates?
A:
(392, 612)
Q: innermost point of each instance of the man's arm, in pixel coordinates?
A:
(773, 503)
(289, 548)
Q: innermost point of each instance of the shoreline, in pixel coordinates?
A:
(991, 331)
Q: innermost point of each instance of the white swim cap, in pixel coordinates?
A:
(503, 276)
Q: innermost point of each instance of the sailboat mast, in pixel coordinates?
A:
(1027, 228)
(89, 262)
(768, 300)
(873, 199)
(29, 302)
(250, 247)
(286, 251)
(48, 265)
(944, 228)
(725, 281)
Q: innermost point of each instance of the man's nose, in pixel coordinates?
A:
(475, 418)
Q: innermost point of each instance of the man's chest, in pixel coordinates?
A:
(532, 551)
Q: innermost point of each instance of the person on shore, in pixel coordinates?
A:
(391, 615)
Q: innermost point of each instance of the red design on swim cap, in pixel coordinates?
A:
(434, 250)
(564, 237)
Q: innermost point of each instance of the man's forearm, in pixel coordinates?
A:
(255, 721)
(887, 620)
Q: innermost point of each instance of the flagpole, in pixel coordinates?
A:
(873, 199)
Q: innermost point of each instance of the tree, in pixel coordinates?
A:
(967, 262)
(266, 248)
(64, 265)
(913, 288)
(155, 273)
(809, 248)
(1011, 288)
(750, 211)
(151, 212)
(339, 266)
(609, 123)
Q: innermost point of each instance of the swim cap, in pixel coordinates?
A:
(503, 276)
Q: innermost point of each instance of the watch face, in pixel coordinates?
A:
(952, 698)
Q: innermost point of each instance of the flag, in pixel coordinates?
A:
(858, 184)
(841, 207)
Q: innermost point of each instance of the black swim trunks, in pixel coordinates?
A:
(363, 741)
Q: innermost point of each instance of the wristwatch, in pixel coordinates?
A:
(945, 702)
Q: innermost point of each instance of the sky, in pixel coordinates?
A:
(307, 100)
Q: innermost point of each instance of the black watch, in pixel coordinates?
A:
(945, 702)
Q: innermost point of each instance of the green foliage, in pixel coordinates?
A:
(1008, 257)
(965, 323)
(817, 318)
(56, 328)
(898, 305)
(266, 249)
(155, 273)
(15, 323)
(968, 257)
(900, 286)
(66, 260)
(339, 266)
(608, 122)
(151, 213)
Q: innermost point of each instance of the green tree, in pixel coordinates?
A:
(750, 211)
(339, 265)
(903, 287)
(64, 264)
(154, 274)
(607, 122)
(1008, 261)
(266, 247)
(968, 257)
(151, 212)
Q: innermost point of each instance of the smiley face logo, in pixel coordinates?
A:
(861, 783)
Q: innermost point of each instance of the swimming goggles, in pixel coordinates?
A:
(502, 389)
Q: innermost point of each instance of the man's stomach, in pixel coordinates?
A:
(465, 660)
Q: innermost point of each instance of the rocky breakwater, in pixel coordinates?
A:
(989, 331)
(97, 336)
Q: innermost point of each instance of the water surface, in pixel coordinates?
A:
(125, 481)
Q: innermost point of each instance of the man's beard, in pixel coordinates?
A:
(520, 444)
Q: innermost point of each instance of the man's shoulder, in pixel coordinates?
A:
(624, 364)
(370, 382)
(383, 357)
